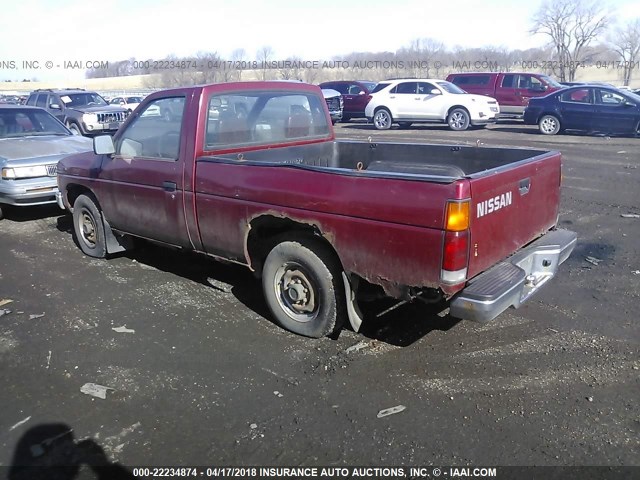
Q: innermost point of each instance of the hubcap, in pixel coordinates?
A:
(296, 292)
(381, 120)
(548, 125)
(457, 120)
(88, 229)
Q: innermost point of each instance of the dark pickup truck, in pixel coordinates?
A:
(252, 173)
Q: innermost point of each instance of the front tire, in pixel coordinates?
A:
(458, 119)
(75, 129)
(303, 288)
(549, 125)
(382, 119)
(88, 227)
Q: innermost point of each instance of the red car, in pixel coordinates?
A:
(512, 90)
(355, 94)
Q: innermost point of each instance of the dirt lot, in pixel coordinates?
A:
(201, 376)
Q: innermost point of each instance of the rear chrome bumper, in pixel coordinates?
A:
(513, 281)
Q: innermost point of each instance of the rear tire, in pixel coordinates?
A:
(302, 285)
(549, 125)
(89, 227)
(382, 119)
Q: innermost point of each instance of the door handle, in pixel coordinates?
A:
(524, 186)
(170, 186)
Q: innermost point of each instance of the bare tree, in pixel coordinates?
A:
(571, 25)
(626, 43)
(237, 57)
(263, 56)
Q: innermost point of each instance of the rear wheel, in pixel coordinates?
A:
(458, 119)
(88, 227)
(549, 125)
(303, 287)
(382, 119)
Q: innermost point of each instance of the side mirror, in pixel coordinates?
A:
(103, 145)
(361, 92)
(55, 106)
(435, 91)
(627, 103)
(538, 88)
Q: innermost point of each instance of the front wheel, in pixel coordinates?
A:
(549, 125)
(88, 227)
(303, 288)
(458, 119)
(382, 119)
(75, 129)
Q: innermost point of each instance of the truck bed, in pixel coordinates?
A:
(436, 163)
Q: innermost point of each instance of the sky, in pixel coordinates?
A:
(84, 30)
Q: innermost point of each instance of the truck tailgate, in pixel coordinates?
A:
(510, 207)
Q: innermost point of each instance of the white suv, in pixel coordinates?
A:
(407, 101)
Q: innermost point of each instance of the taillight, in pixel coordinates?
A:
(455, 255)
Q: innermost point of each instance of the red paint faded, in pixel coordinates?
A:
(386, 228)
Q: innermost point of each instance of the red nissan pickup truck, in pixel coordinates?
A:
(251, 173)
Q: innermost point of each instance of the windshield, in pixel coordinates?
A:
(82, 99)
(28, 122)
(450, 88)
(633, 96)
(380, 86)
(552, 82)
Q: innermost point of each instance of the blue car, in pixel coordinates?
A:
(590, 108)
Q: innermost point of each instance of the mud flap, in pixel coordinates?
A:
(353, 311)
(115, 243)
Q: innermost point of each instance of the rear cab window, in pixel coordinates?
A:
(263, 118)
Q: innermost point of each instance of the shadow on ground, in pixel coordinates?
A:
(50, 452)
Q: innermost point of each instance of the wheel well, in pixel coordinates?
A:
(267, 230)
(74, 191)
(458, 106)
(381, 107)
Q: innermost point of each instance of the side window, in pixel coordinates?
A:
(355, 90)
(508, 81)
(32, 99)
(42, 100)
(607, 97)
(536, 84)
(524, 81)
(156, 132)
(580, 95)
(407, 87)
(460, 80)
(425, 88)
